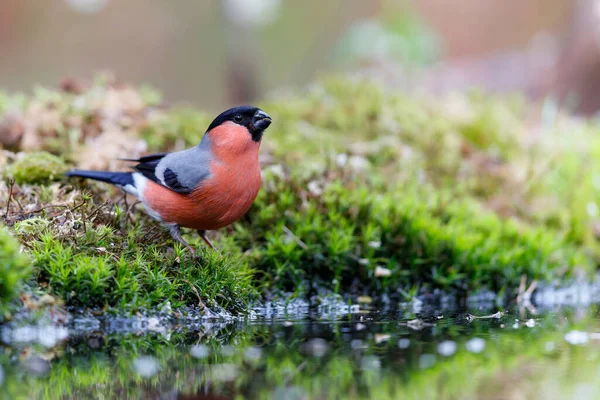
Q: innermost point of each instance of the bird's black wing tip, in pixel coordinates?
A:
(143, 159)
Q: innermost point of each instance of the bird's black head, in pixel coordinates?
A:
(253, 118)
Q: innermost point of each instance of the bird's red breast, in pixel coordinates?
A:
(222, 198)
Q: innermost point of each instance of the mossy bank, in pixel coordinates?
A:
(365, 192)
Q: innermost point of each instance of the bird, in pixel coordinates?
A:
(205, 187)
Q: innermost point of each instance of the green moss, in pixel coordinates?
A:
(99, 267)
(365, 190)
(37, 168)
(422, 236)
(14, 268)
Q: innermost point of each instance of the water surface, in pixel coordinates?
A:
(479, 351)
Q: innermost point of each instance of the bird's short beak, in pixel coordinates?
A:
(261, 120)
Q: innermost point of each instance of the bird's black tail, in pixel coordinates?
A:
(116, 178)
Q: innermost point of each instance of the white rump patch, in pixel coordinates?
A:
(138, 191)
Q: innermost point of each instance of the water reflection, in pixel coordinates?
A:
(431, 354)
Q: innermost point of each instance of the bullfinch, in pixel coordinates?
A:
(206, 187)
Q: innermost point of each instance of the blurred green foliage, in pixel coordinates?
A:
(14, 268)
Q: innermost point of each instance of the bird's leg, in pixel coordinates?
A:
(206, 240)
(176, 234)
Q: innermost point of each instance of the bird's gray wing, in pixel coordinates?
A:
(181, 171)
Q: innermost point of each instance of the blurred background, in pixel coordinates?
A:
(216, 53)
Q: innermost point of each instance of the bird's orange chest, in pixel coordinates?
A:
(222, 198)
(229, 193)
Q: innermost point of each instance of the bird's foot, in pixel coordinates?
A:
(206, 240)
(176, 234)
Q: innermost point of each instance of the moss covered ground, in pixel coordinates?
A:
(365, 192)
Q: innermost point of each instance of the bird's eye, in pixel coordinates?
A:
(238, 118)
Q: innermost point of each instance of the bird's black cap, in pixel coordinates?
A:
(253, 118)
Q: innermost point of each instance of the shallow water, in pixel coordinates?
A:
(412, 352)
